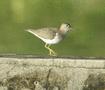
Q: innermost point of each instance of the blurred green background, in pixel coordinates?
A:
(86, 16)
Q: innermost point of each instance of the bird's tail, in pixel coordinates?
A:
(30, 31)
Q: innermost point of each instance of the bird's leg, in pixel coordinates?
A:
(46, 46)
(51, 52)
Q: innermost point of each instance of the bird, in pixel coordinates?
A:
(51, 35)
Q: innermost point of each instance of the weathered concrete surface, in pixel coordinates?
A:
(50, 73)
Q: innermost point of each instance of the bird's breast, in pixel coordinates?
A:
(55, 40)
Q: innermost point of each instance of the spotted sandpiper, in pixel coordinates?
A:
(51, 35)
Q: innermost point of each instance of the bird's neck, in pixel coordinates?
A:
(61, 35)
(62, 32)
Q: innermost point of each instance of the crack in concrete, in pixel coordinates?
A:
(47, 78)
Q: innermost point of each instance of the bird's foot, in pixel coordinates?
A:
(52, 53)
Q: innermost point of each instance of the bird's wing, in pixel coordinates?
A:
(46, 33)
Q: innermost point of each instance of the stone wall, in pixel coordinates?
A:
(19, 73)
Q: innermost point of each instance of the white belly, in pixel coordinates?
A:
(52, 41)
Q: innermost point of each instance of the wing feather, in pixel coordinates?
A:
(46, 33)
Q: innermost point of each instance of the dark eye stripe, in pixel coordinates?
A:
(68, 25)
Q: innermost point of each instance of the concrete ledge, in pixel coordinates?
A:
(31, 73)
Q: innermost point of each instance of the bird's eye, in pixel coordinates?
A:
(68, 25)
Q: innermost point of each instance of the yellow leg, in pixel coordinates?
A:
(51, 52)
(46, 46)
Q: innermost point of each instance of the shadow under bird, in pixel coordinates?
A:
(51, 35)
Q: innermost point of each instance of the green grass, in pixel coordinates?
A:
(86, 16)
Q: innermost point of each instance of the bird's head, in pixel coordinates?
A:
(65, 27)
